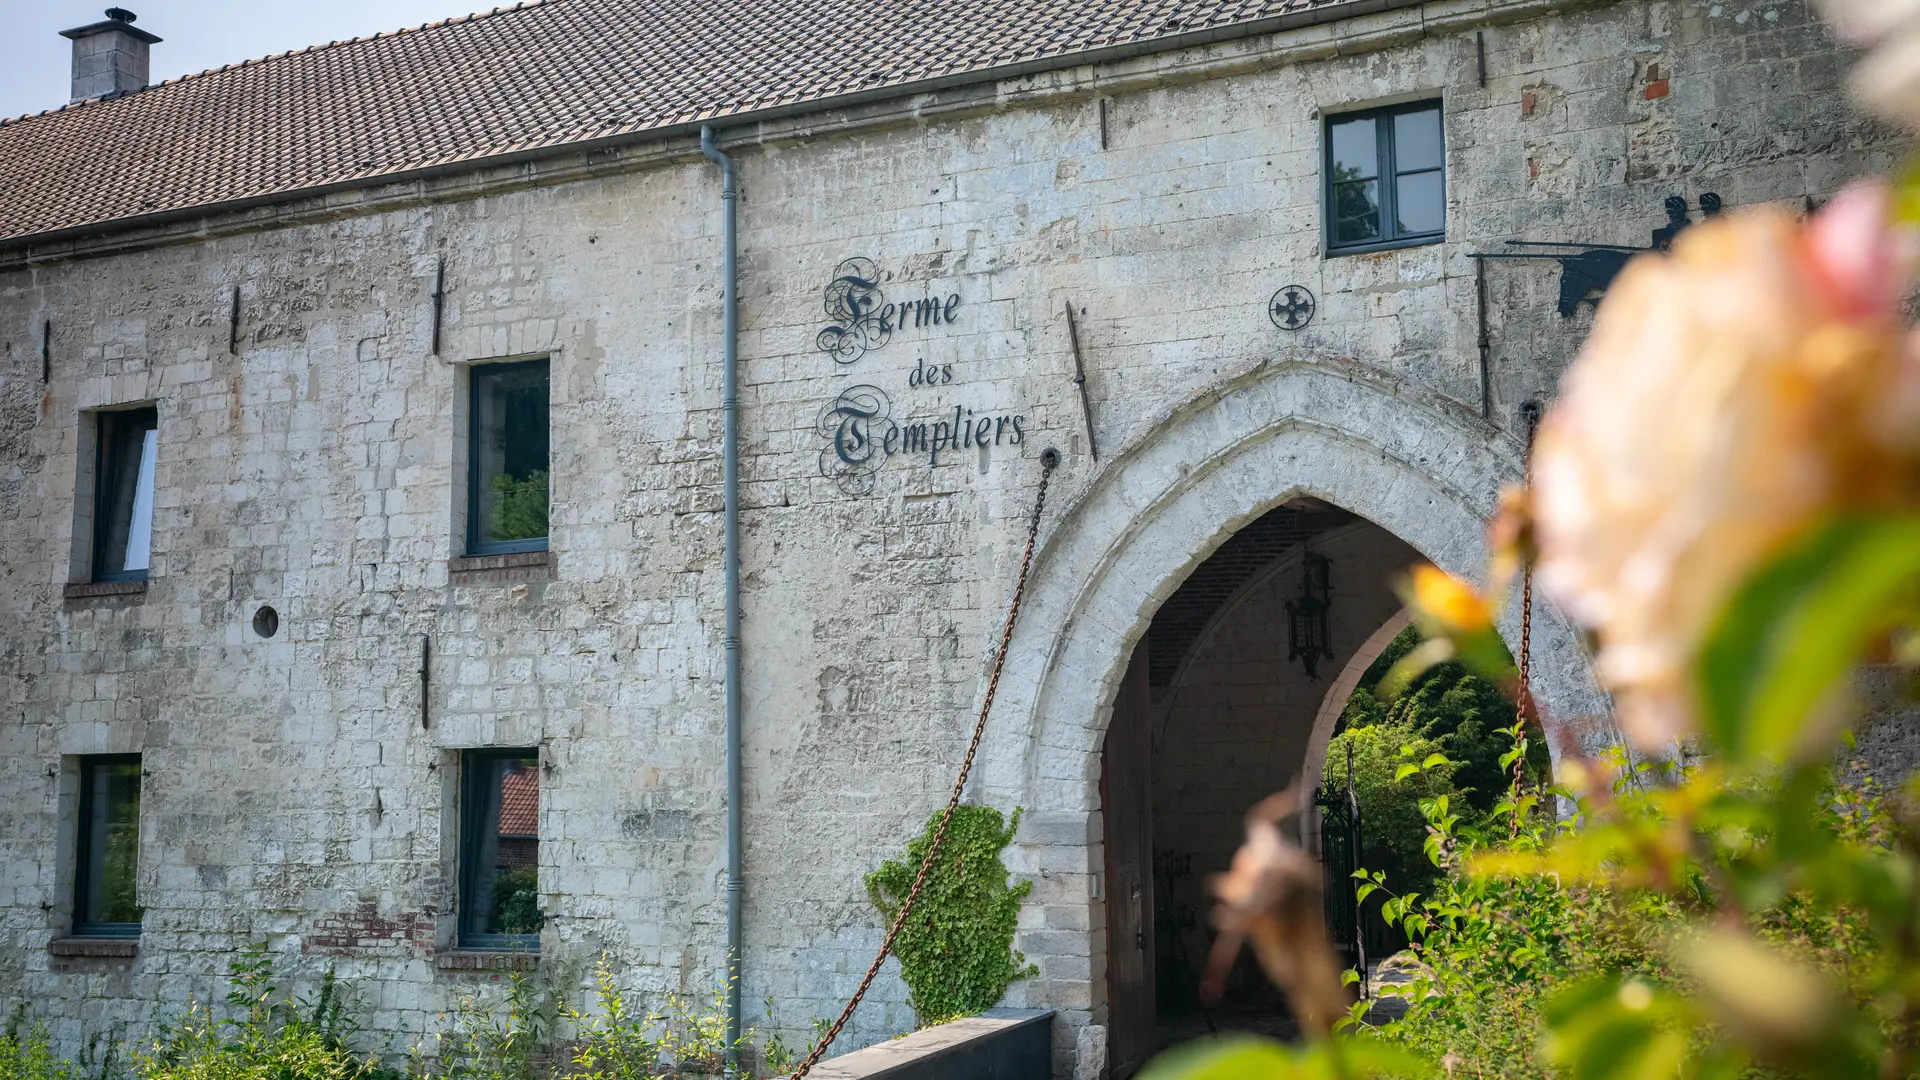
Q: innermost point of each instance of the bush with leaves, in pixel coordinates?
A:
(26, 1052)
(956, 949)
(519, 507)
(1448, 710)
(268, 1036)
(1393, 829)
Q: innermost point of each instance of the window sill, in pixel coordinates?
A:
(500, 569)
(1386, 245)
(93, 946)
(487, 960)
(83, 590)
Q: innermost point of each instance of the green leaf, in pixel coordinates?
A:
(1435, 759)
(1404, 771)
(1796, 628)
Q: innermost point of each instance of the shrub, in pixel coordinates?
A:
(269, 1037)
(28, 1055)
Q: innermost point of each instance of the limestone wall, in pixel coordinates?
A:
(292, 794)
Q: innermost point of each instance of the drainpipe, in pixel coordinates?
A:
(730, 481)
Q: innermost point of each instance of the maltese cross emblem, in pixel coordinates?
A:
(1291, 308)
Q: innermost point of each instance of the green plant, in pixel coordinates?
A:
(519, 507)
(618, 1040)
(1446, 710)
(268, 1036)
(1392, 825)
(496, 1043)
(28, 1054)
(956, 948)
(516, 901)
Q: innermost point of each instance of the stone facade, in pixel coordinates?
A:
(292, 794)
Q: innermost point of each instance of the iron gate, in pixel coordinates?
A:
(1339, 858)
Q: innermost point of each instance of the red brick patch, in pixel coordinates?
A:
(365, 932)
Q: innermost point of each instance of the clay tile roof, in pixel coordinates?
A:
(520, 802)
(536, 75)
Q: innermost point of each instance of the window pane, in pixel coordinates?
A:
(124, 497)
(1416, 140)
(510, 452)
(507, 853)
(1356, 212)
(111, 842)
(1356, 152)
(1420, 203)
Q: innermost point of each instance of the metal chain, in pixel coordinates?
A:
(1528, 710)
(1531, 412)
(1049, 459)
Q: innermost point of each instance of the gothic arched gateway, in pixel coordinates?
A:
(1385, 463)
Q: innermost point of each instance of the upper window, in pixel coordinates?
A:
(1386, 185)
(500, 849)
(108, 848)
(123, 494)
(507, 473)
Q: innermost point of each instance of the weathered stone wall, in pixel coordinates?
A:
(293, 796)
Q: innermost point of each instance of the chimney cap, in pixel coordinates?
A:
(117, 19)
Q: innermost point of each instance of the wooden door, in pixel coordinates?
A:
(1126, 771)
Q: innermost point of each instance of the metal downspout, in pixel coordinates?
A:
(730, 480)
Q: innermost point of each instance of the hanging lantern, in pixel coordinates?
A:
(1307, 637)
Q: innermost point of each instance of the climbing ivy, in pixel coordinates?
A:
(956, 950)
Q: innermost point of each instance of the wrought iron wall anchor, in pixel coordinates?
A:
(1080, 380)
(439, 300)
(1585, 274)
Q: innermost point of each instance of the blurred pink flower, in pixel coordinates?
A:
(1731, 393)
(1887, 79)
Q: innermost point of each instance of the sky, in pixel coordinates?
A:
(35, 61)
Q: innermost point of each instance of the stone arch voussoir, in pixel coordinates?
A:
(1419, 465)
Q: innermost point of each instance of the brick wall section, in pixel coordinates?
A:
(365, 932)
(1252, 549)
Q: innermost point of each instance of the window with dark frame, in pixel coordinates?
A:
(500, 849)
(1385, 178)
(507, 459)
(107, 848)
(123, 494)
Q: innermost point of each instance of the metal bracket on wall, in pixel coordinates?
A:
(1486, 342)
(46, 351)
(426, 657)
(233, 323)
(439, 299)
(1080, 380)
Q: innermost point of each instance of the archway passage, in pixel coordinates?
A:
(1218, 710)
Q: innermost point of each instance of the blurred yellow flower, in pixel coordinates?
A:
(1449, 602)
(1730, 394)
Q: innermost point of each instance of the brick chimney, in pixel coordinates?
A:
(109, 57)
